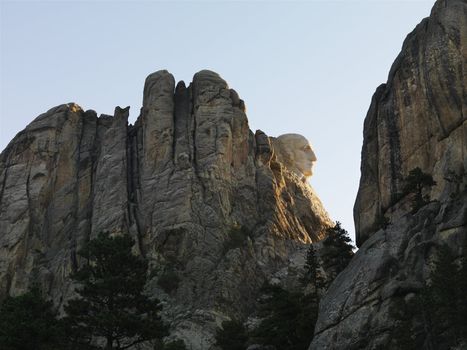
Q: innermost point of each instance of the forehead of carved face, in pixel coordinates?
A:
(300, 151)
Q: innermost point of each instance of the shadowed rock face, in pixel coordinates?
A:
(417, 119)
(186, 178)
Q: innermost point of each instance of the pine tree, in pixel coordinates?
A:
(28, 322)
(112, 308)
(403, 312)
(338, 250)
(177, 344)
(462, 299)
(415, 182)
(232, 336)
(312, 272)
(444, 300)
(288, 319)
(443, 290)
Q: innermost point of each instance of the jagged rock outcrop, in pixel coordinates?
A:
(183, 181)
(417, 119)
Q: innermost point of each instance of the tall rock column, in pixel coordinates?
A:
(45, 197)
(417, 119)
(110, 186)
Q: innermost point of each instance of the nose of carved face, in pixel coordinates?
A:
(308, 158)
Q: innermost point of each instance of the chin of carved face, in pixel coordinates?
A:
(308, 171)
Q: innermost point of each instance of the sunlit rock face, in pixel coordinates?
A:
(184, 181)
(296, 153)
(417, 119)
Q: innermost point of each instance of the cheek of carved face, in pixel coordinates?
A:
(305, 159)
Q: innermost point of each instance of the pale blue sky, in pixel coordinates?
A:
(306, 67)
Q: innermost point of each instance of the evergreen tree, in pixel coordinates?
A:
(441, 306)
(415, 182)
(402, 336)
(338, 250)
(306, 319)
(288, 319)
(461, 292)
(312, 272)
(232, 336)
(444, 299)
(112, 308)
(28, 322)
(177, 344)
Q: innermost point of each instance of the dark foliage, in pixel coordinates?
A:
(177, 344)
(112, 306)
(445, 300)
(437, 317)
(313, 273)
(338, 250)
(381, 222)
(237, 238)
(415, 182)
(288, 319)
(168, 281)
(232, 336)
(403, 336)
(28, 322)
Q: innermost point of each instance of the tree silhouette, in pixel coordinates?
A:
(313, 274)
(288, 319)
(112, 309)
(445, 300)
(232, 336)
(415, 182)
(338, 251)
(28, 322)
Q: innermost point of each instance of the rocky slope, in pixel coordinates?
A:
(207, 201)
(417, 119)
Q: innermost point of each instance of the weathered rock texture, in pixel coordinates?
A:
(186, 178)
(417, 119)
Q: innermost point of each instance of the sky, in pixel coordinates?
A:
(307, 67)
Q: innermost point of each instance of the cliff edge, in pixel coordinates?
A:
(416, 120)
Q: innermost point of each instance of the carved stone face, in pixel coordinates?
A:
(298, 153)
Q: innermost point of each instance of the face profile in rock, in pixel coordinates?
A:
(297, 154)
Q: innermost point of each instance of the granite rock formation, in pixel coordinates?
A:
(207, 201)
(417, 119)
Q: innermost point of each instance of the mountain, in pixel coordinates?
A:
(212, 206)
(218, 210)
(416, 120)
